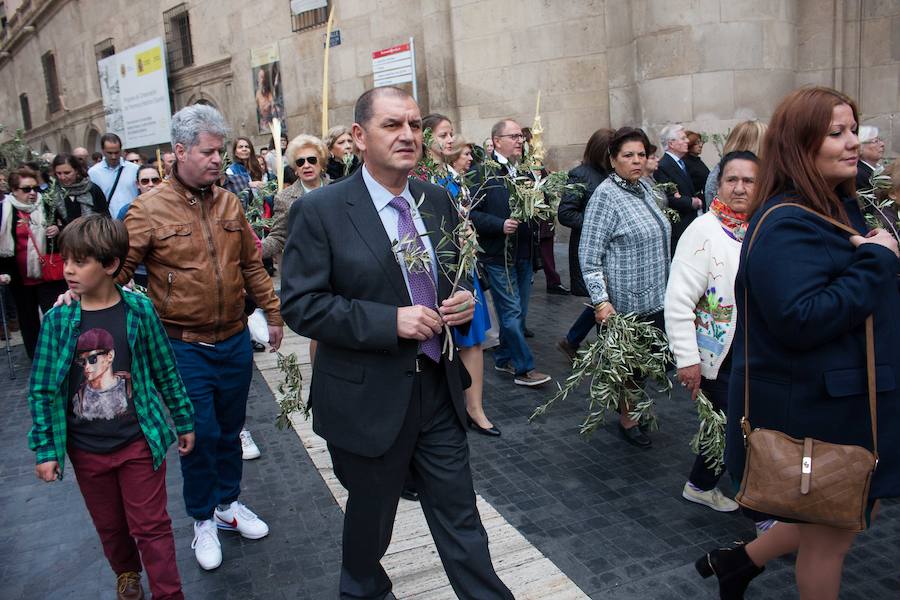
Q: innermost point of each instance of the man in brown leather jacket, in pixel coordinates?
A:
(201, 255)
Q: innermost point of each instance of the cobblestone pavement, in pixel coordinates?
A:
(609, 515)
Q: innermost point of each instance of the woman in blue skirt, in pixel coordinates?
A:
(456, 155)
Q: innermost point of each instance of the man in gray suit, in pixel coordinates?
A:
(383, 395)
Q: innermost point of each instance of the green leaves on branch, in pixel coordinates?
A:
(290, 390)
(627, 355)
(709, 441)
(877, 207)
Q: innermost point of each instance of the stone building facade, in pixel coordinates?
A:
(598, 63)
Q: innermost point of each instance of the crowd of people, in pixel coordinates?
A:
(653, 232)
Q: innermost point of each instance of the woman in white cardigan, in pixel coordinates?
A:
(700, 308)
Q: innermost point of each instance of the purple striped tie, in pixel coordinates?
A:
(421, 284)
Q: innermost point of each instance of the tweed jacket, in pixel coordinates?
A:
(273, 243)
(624, 250)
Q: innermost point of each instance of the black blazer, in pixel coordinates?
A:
(571, 215)
(341, 285)
(863, 175)
(669, 172)
(809, 294)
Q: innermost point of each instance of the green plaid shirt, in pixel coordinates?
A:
(154, 377)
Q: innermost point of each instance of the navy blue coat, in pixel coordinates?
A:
(809, 292)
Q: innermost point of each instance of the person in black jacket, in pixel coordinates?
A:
(590, 173)
(696, 168)
(673, 169)
(871, 151)
(76, 194)
(508, 249)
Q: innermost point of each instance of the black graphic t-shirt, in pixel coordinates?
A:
(101, 416)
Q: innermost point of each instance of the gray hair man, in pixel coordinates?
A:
(871, 151)
(672, 169)
(201, 255)
(82, 154)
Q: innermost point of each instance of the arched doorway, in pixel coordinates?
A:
(64, 146)
(92, 140)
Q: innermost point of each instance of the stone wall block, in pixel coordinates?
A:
(622, 63)
(713, 95)
(757, 93)
(619, 27)
(873, 9)
(624, 107)
(877, 40)
(666, 54)
(725, 46)
(666, 100)
(880, 90)
(756, 10)
(779, 45)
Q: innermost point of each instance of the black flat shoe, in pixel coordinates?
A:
(732, 567)
(635, 437)
(529, 333)
(491, 431)
(559, 290)
(409, 495)
(257, 347)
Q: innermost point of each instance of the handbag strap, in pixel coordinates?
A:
(34, 242)
(870, 334)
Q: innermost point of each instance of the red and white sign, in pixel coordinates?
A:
(394, 65)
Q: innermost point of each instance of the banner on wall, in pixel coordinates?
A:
(135, 90)
(266, 71)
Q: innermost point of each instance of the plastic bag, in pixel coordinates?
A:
(258, 326)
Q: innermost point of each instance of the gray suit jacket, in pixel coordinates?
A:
(341, 285)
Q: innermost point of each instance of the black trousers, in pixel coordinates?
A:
(432, 446)
(717, 391)
(30, 298)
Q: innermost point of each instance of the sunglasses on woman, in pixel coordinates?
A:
(149, 180)
(33, 188)
(303, 160)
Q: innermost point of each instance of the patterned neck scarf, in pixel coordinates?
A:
(733, 223)
(632, 188)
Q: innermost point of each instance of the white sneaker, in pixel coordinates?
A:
(206, 544)
(243, 520)
(249, 449)
(714, 499)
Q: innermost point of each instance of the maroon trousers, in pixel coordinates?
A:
(127, 502)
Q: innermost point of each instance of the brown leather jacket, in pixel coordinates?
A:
(200, 255)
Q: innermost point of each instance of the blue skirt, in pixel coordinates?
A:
(480, 324)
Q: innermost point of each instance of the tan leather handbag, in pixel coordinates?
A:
(808, 480)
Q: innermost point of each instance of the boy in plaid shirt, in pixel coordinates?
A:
(102, 370)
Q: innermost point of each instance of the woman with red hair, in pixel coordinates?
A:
(809, 287)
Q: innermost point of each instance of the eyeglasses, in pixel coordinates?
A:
(149, 180)
(516, 136)
(303, 160)
(29, 188)
(91, 358)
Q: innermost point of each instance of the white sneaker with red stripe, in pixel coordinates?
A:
(243, 520)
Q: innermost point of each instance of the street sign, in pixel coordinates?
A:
(335, 39)
(394, 65)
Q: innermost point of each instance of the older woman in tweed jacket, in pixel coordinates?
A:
(624, 249)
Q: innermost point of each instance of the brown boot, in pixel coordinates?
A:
(128, 586)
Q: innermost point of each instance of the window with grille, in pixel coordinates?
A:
(26, 111)
(179, 52)
(51, 82)
(104, 49)
(308, 14)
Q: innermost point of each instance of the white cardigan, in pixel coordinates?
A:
(700, 310)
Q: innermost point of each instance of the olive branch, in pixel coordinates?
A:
(709, 441)
(876, 210)
(627, 350)
(290, 391)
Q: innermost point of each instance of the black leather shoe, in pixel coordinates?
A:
(489, 431)
(559, 290)
(635, 437)
(410, 495)
(257, 347)
(529, 333)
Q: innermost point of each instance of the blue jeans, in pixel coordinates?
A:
(217, 379)
(511, 296)
(581, 327)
